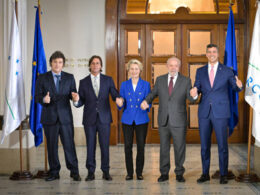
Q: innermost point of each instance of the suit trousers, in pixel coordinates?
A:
(140, 132)
(66, 133)
(103, 131)
(220, 126)
(179, 143)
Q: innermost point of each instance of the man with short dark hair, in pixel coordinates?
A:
(213, 81)
(94, 91)
(54, 92)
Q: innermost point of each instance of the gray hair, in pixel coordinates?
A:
(176, 59)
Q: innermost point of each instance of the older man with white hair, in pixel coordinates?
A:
(172, 89)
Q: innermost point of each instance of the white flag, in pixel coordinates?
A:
(14, 107)
(252, 94)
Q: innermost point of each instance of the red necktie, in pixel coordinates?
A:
(170, 88)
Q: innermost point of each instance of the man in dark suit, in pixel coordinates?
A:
(94, 93)
(54, 92)
(172, 89)
(213, 81)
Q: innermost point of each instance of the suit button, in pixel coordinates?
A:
(140, 93)
(130, 100)
(131, 106)
(136, 106)
(138, 99)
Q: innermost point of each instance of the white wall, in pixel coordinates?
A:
(75, 27)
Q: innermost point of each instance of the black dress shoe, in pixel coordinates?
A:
(163, 178)
(52, 177)
(180, 178)
(203, 178)
(106, 176)
(76, 177)
(129, 177)
(90, 177)
(140, 177)
(223, 180)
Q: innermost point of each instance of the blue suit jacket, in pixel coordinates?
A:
(96, 105)
(216, 97)
(132, 101)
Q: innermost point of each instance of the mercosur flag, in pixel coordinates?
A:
(252, 94)
(14, 105)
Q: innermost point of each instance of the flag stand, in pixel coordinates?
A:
(248, 177)
(21, 175)
(42, 174)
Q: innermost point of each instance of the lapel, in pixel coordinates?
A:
(130, 86)
(165, 84)
(51, 81)
(139, 86)
(89, 83)
(177, 84)
(206, 76)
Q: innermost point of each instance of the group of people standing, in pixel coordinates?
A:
(56, 88)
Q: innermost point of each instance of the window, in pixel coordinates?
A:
(170, 6)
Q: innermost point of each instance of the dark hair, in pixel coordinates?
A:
(55, 55)
(211, 45)
(91, 60)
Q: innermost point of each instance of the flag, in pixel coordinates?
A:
(14, 104)
(38, 67)
(230, 60)
(252, 93)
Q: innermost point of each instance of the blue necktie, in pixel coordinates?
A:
(57, 82)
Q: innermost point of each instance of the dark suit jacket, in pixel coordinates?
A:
(59, 107)
(94, 105)
(217, 97)
(171, 107)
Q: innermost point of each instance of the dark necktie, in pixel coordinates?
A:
(170, 88)
(57, 82)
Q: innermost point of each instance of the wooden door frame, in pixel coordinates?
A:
(115, 12)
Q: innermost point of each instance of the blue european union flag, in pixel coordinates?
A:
(38, 67)
(230, 60)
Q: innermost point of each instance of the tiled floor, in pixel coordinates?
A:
(150, 186)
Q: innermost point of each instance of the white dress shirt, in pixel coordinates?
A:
(174, 79)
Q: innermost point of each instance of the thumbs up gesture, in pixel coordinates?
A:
(47, 98)
(75, 96)
(239, 83)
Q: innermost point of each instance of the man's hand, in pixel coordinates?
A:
(239, 83)
(194, 92)
(144, 105)
(75, 97)
(119, 101)
(47, 98)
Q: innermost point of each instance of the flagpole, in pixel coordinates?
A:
(249, 177)
(20, 175)
(45, 173)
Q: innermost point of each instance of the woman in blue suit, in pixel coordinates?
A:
(134, 119)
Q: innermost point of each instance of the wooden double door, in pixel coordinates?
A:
(153, 44)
